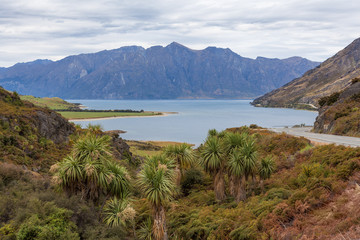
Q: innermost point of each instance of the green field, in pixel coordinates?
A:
(52, 103)
(86, 115)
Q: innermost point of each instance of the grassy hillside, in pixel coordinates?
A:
(52, 103)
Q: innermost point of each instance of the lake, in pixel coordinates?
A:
(194, 118)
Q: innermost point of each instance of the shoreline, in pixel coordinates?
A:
(158, 114)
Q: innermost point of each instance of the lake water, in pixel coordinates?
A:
(194, 118)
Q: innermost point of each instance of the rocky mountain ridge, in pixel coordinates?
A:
(171, 72)
(333, 75)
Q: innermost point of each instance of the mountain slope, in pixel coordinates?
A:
(331, 76)
(170, 72)
(340, 112)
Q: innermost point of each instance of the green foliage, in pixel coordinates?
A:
(244, 232)
(14, 99)
(192, 177)
(212, 155)
(51, 222)
(182, 154)
(329, 100)
(267, 167)
(280, 193)
(157, 180)
(91, 171)
(118, 212)
(145, 231)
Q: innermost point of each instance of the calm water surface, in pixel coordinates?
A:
(194, 118)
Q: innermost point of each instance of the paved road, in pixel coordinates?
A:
(318, 137)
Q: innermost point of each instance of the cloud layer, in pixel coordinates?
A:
(53, 29)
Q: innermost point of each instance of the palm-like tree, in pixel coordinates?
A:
(157, 182)
(248, 153)
(118, 212)
(236, 171)
(96, 129)
(266, 168)
(93, 148)
(91, 171)
(214, 162)
(212, 133)
(183, 156)
(233, 141)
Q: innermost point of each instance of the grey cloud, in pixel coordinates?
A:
(53, 29)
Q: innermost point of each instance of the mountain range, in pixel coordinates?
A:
(333, 75)
(171, 72)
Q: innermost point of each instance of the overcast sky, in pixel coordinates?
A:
(54, 29)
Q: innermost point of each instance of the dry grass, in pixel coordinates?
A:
(148, 148)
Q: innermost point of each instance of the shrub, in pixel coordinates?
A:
(329, 100)
(244, 232)
(281, 193)
(10, 172)
(191, 177)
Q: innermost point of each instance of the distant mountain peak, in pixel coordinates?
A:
(170, 72)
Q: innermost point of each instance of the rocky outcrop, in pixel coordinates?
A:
(171, 72)
(120, 148)
(342, 115)
(333, 75)
(52, 126)
(25, 118)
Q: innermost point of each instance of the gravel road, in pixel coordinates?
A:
(318, 137)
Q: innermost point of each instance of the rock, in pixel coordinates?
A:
(53, 126)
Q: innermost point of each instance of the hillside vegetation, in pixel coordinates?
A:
(340, 112)
(244, 183)
(29, 135)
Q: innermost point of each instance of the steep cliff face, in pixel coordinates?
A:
(171, 72)
(340, 113)
(331, 76)
(31, 135)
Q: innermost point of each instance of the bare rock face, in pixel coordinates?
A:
(121, 149)
(171, 72)
(333, 75)
(52, 126)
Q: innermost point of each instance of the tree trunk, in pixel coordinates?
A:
(159, 227)
(253, 184)
(219, 186)
(232, 186)
(240, 190)
(178, 175)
